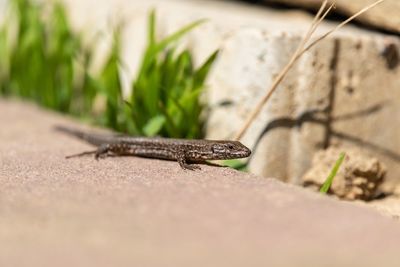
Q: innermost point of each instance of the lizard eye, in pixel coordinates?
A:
(230, 147)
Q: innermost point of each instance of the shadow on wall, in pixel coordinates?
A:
(310, 117)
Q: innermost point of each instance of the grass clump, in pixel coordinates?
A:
(37, 57)
(43, 59)
(165, 95)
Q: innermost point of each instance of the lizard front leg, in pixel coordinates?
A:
(102, 151)
(181, 158)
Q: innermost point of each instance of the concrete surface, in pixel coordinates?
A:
(142, 212)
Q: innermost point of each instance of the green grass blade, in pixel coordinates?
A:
(178, 34)
(151, 38)
(154, 126)
(235, 164)
(328, 182)
(203, 71)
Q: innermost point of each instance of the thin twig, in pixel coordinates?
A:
(365, 9)
(298, 53)
(285, 70)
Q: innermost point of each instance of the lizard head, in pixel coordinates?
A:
(229, 150)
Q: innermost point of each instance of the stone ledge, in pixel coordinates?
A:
(385, 16)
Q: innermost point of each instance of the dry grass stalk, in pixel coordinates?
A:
(301, 49)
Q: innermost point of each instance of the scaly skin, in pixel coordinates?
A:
(184, 151)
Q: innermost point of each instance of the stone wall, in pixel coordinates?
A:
(385, 16)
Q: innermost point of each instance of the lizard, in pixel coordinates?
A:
(184, 151)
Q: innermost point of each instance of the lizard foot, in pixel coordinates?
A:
(191, 167)
(102, 152)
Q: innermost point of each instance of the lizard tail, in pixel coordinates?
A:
(93, 139)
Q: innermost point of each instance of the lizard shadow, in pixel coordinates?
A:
(207, 163)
